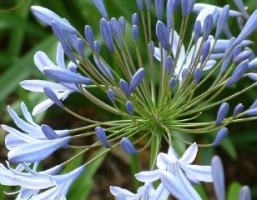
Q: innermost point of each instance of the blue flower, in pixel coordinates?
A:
(179, 171)
(61, 89)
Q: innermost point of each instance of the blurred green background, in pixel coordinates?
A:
(21, 36)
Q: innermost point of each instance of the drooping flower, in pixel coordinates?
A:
(39, 185)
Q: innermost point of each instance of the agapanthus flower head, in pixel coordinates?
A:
(179, 76)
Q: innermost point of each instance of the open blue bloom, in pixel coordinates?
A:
(180, 168)
(39, 185)
(28, 128)
(62, 184)
(62, 90)
(29, 149)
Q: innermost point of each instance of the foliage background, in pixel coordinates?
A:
(21, 36)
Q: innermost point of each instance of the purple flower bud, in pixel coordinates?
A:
(65, 76)
(252, 111)
(135, 19)
(106, 32)
(122, 24)
(159, 4)
(52, 96)
(218, 178)
(111, 95)
(101, 136)
(89, 35)
(148, 4)
(221, 135)
(130, 107)
(190, 6)
(222, 113)
(140, 5)
(127, 146)
(169, 64)
(243, 56)
(163, 35)
(97, 48)
(49, 132)
(205, 50)
(197, 30)
(136, 79)
(197, 75)
(103, 68)
(238, 73)
(62, 37)
(249, 27)
(253, 64)
(135, 32)
(184, 6)
(81, 48)
(245, 193)
(222, 21)
(174, 5)
(184, 73)
(124, 86)
(236, 51)
(207, 27)
(238, 109)
(116, 29)
(101, 8)
(172, 83)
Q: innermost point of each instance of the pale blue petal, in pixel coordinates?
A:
(22, 136)
(11, 141)
(188, 188)
(201, 173)
(175, 43)
(164, 160)
(5, 176)
(148, 176)
(36, 151)
(157, 53)
(209, 64)
(218, 178)
(174, 186)
(38, 85)
(207, 11)
(53, 193)
(217, 56)
(117, 191)
(44, 105)
(42, 60)
(27, 114)
(60, 56)
(24, 126)
(160, 193)
(199, 6)
(190, 154)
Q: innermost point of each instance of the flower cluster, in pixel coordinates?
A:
(177, 176)
(164, 90)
